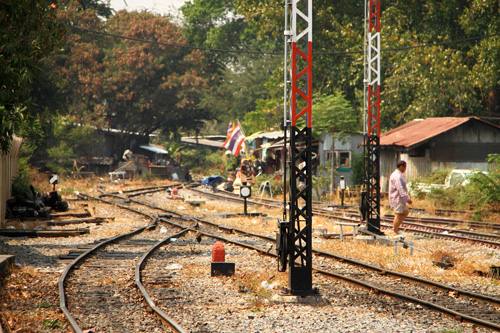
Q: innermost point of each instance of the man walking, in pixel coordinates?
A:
(398, 196)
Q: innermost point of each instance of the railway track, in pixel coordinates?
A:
(449, 229)
(96, 290)
(190, 251)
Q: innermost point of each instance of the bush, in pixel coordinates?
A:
(444, 198)
(277, 186)
(215, 163)
(321, 183)
(192, 159)
(437, 176)
(358, 169)
(482, 194)
(21, 183)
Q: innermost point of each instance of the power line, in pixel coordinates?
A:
(394, 49)
(458, 41)
(174, 45)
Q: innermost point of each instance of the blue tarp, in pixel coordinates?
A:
(213, 180)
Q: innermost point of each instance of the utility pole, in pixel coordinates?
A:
(295, 238)
(370, 205)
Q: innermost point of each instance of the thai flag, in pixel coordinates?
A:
(235, 141)
(229, 131)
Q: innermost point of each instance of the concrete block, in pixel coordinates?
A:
(222, 268)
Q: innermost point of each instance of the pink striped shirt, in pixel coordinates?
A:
(398, 193)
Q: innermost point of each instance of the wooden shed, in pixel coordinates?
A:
(437, 143)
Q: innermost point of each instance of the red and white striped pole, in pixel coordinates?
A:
(301, 19)
(374, 68)
(299, 241)
(371, 198)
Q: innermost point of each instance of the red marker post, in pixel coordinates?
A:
(219, 265)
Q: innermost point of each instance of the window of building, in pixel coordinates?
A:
(343, 159)
(328, 155)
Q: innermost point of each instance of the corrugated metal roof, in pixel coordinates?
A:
(269, 135)
(156, 150)
(202, 142)
(421, 130)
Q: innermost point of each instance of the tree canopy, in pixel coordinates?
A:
(129, 72)
(29, 31)
(141, 72)
(151, 87)
(439, 58)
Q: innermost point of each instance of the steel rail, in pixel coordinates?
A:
(138, 277)
(62, 295)
(431, 234)
(452, 222)
(452, 231)
(347, 209)
(325, 213)
(450, 312)
(441, 286)
(428, 304)
(138, 281)
(148, 189)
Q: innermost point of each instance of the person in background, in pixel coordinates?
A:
(398, 196)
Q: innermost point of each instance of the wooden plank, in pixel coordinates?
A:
(83, 214)
(43, 233)
(97, 220)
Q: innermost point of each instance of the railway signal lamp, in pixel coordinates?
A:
(245, 193)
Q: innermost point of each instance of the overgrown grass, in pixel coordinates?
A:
(481, 196)
(467, 260)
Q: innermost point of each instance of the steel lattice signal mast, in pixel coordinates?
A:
(295, 237)
(371, 198)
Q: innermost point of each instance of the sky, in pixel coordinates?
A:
(155, 6)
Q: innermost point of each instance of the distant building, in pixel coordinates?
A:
(342, 149)
(214, 142)
(437, 143)
(107, 151)
(327, 151)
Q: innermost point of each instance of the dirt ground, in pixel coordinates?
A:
(29, 299)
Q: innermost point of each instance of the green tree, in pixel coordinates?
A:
(267, 116)
(217, 24)
(71, 141)
(334, 115)
(441, 80)
(241, 87)
(213, 24)
(29, 32)
(238, 79)
(459, 76)
(151, 87)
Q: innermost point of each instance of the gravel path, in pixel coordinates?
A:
(29, 300)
